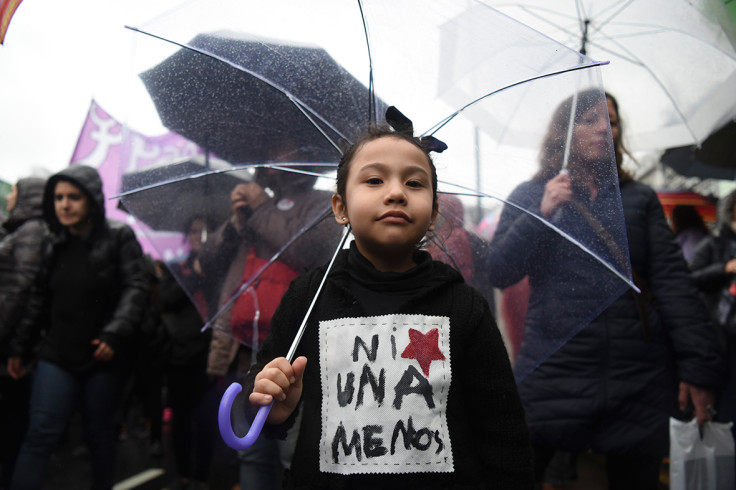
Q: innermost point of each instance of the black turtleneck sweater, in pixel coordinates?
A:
(383, 292)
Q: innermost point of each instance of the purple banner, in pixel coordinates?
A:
(100, 146)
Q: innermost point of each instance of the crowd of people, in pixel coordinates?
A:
(87, 322)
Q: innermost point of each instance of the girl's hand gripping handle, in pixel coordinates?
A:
(223, 419)
(226, 404)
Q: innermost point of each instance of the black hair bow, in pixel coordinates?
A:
(402, 124)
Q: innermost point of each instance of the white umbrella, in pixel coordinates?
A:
(672, 62)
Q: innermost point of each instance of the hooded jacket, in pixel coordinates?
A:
(20, 255)
(119, 277)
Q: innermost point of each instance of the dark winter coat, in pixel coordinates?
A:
(186, 344)
(20, 256)
(120, 276)
(568, 287)
(612, 387)
(708, 265)
(488, 436)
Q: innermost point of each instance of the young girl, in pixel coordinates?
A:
(402, 378)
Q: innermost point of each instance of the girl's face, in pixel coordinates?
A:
(72, 208)
(12, 198)
(591, 140)
(388, 201)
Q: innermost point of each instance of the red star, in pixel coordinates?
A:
(423, 348)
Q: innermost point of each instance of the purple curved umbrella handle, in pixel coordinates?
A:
(226, 404)
(223, 419)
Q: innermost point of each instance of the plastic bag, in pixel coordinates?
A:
(701, 464)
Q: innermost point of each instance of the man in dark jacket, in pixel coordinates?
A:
(20, 260)
(88, 299)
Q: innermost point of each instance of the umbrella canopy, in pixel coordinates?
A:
(705, 206)
(410, 54)
(672, 62)
(160, 187)
(714, 159)
(241, 114)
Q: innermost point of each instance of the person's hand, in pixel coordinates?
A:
(556, 192)
(197, 267)
(15, 367)
(281, 383)
(244, 198)
(731, 266)
(701, 398)
(103, 352)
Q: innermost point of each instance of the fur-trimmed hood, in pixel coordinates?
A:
(28, 202)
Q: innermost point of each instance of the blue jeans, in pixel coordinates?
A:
(54, 397)
(260, 465)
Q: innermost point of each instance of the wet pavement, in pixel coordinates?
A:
(135, 466)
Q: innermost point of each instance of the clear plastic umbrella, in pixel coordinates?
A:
(410, 54)
(672, 62)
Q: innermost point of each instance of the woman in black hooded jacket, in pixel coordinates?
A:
(88, 301)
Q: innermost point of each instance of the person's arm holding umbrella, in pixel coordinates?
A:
(513, 252)
(221, 250)
(245, 199)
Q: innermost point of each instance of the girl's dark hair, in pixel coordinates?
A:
(371, 134)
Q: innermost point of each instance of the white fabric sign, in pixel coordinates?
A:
(385, 382)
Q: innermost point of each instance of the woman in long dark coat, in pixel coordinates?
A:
(613, 385)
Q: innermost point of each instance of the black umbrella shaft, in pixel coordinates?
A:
(584, 39)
